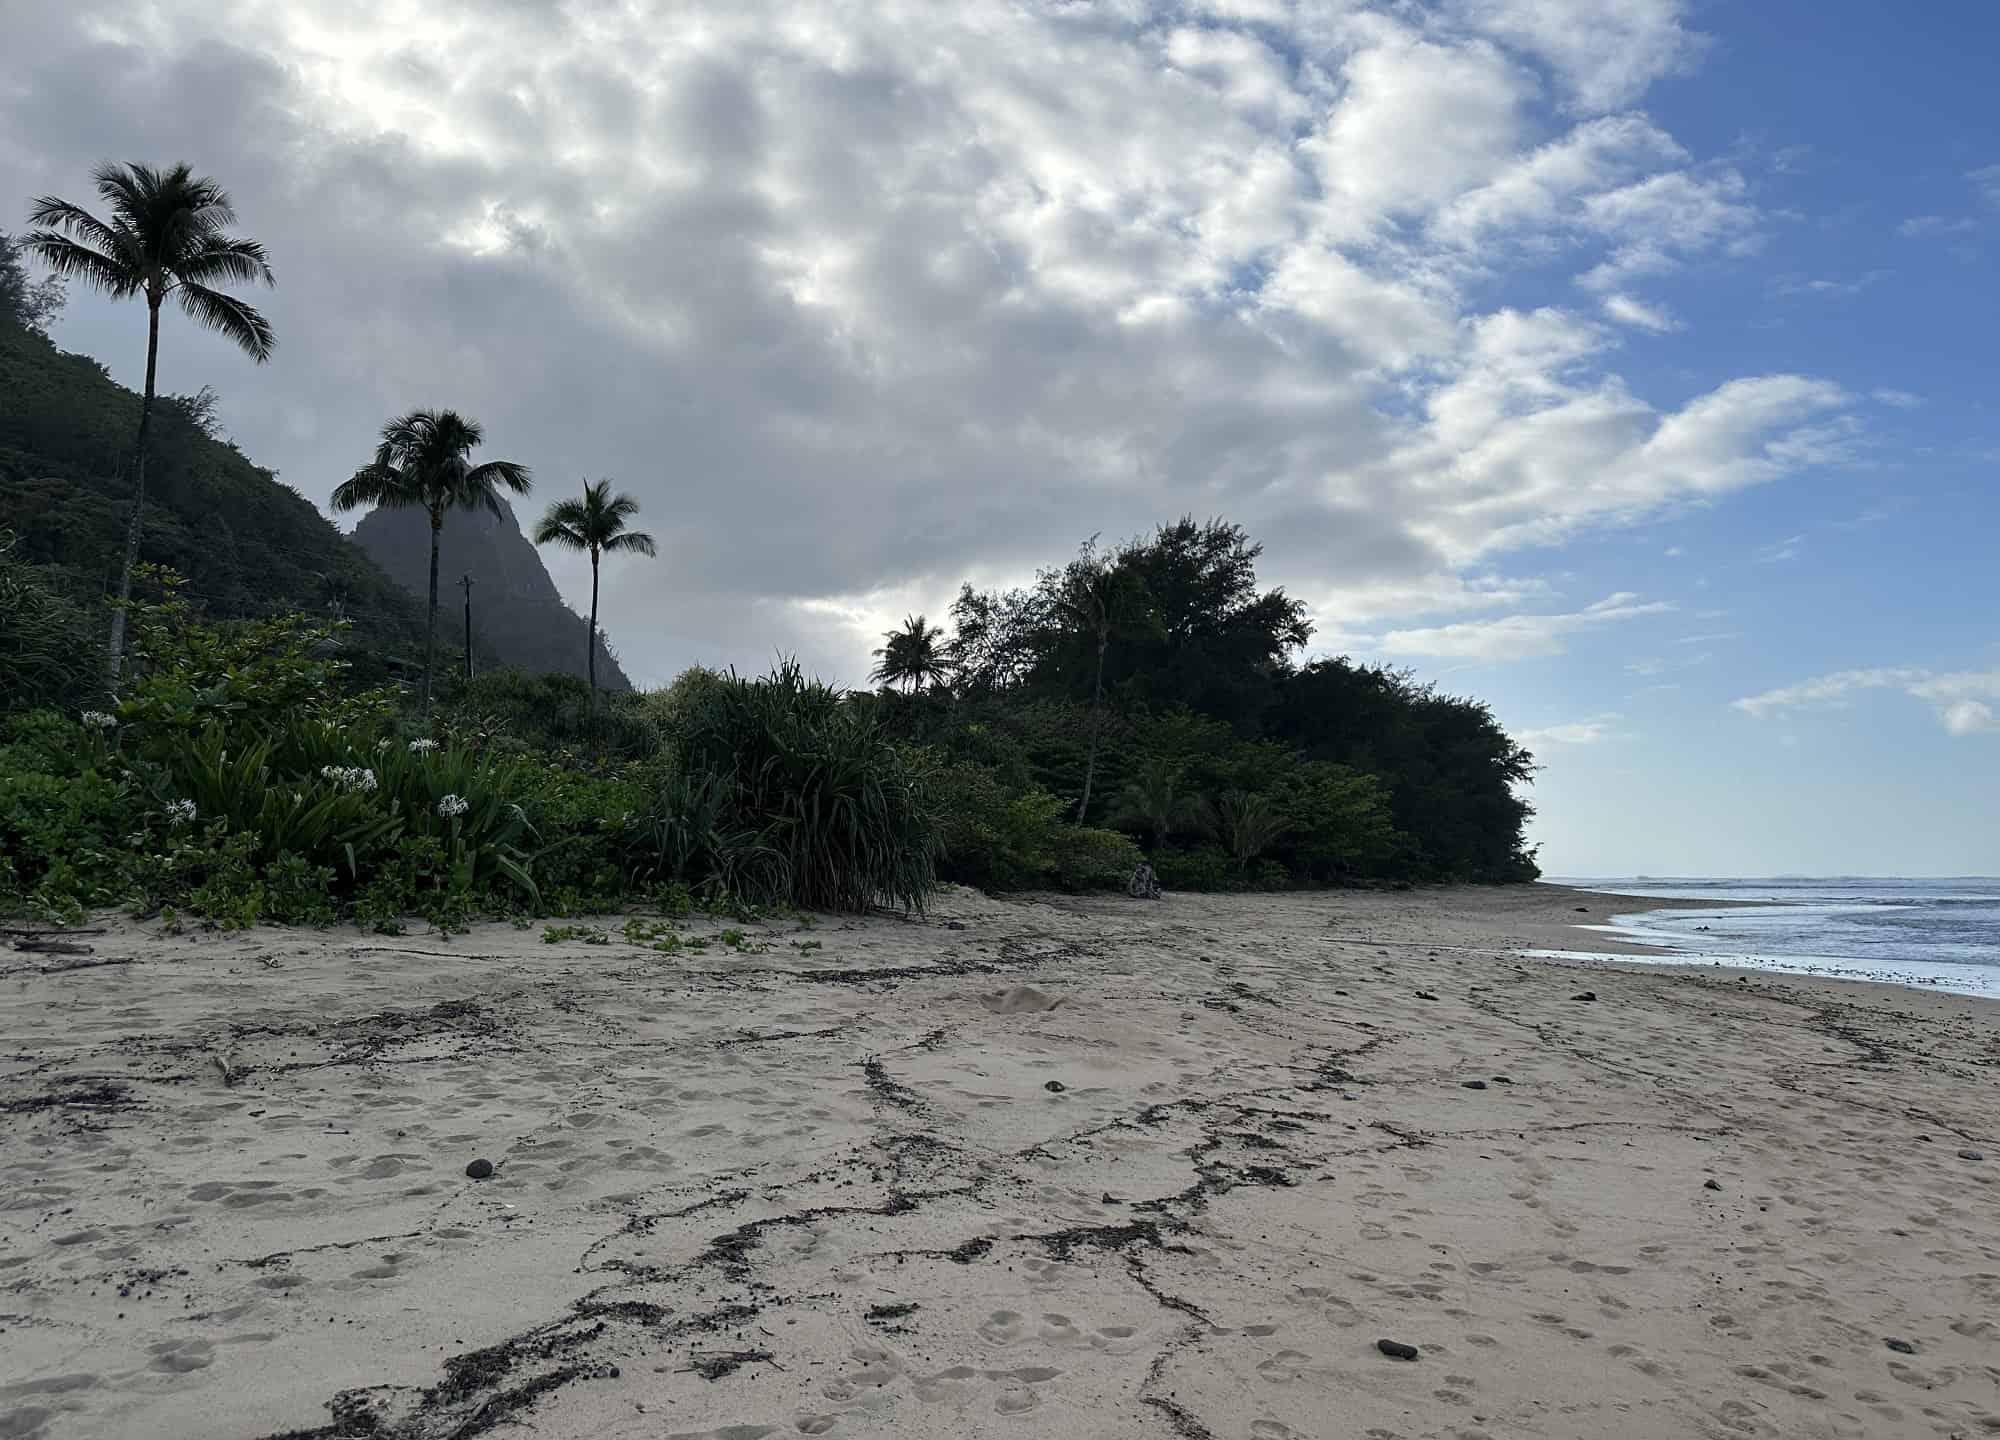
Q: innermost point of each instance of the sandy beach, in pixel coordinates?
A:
(1090, 1167)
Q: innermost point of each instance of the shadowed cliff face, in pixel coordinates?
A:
(517, 613)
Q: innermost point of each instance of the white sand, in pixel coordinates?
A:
(836, 1179)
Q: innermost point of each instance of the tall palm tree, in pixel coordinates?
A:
(595, 523)
(424, 461)
(167, 235)
(912, 656)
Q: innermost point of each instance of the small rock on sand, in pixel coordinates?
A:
(1710, 1185)
(1472, 1084)
(1055, 1087)
(1901, 1347)
(1584, 995)
(1972, 1154)
(1425, 995)
(1021, 1000)
(1396, 1349)
(480, 1169)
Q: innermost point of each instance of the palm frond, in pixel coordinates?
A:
(74, 261)
(55, 213)
(637, 541)
(225, 257)
(480, 486)
(237, 319)
(374, 485)
(552, 532)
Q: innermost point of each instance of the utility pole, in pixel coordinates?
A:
(465, 582)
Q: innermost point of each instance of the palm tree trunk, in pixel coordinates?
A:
(431, 624)
(591, 660)
(1096, 724)
(116, 662)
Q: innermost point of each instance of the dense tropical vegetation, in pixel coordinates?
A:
(266, 754)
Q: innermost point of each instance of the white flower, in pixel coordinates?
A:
(453, 805)
(422, 747)
(98, 720)
(350, 777)
(180, 812)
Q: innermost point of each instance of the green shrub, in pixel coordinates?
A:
(48, 653)
(1204, 868)
(1083, 858)
(819, 782)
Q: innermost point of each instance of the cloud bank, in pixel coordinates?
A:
(864, 299)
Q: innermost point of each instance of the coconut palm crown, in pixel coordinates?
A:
(595, 524)
(424, 462)
(164, 232)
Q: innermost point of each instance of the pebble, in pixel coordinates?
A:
(1055, 1087)
(1425, 995)
(1710, 1185)
(1396, 1349)
(1972, 1154)
(480, 1169)
(1502, 1080)
(1472, 1084)
(1901, 1347)
(1584, 995)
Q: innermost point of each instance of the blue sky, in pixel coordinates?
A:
(1862, 129)
(1626, 363)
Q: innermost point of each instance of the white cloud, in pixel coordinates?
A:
(1959, 698)
(1824, 289)
(1986, 180)
(1900, 399)
(1966, 717)
(1779, 551)
(1515, 637)
(1922, 226)
(1657, 223)
(910, 293)
(1605, 53)
(1593, 731)
(1629, 311)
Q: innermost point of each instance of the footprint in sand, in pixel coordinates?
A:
(1284, 1367)
(1115, 1339)
(1002, 1327)
(1058, 1330)
(1015, 1400)
(179, 1357)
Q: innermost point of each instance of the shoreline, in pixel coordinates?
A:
(1038, 1164)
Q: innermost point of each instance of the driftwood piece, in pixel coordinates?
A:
(48, 945)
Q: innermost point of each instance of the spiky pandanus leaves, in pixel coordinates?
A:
(819, 780)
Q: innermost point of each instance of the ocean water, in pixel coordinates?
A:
(1934, 934)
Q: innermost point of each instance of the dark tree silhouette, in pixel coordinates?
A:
(167, 235)
(912, 656)
(424, 460)
(596, 524)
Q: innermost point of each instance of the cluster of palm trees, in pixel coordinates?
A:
(166, 233)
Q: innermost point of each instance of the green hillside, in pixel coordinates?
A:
(248, 544)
